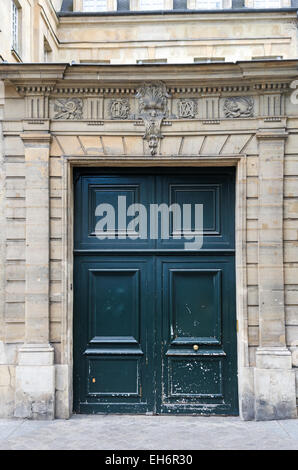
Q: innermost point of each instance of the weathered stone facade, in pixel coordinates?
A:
(54, 117)
(41, 148)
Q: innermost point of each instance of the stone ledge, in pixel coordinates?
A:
(272, 134)
(36, 355)
(274, 358)
(43, 137)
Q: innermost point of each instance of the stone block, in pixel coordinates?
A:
(295, 357)
(275, 394)
(5, 376)
(35, 392)
(35, 383)
(247, 402)
(7, 384)
(62, 398)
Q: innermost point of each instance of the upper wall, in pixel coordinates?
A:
(49, 31)
(178, 38)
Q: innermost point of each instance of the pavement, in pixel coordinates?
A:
(119, 432)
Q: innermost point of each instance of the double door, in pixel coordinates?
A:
(154, 321)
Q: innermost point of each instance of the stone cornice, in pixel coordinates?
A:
(260, 76)
(32, 74)
(176, 16)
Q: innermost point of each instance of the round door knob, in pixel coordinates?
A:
(196, 347)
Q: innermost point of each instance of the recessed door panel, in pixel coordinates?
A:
(215, 193)
(115, 300)
(114, 376)
(113, 195)
(102, 210)
(201, 194)
(195, 306)
(195, 378)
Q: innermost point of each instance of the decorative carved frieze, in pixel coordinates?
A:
(187, 108)
(153, 108)
(239, 107)
(69, 108)
(119, 109)
(151, 105)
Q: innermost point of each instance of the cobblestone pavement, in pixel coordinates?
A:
(110, 432)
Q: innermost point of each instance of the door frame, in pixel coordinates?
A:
(245, 373)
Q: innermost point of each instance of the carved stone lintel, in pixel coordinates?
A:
(239, 106)
(153, 108)
(69, 108)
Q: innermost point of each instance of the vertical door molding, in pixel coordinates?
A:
(245, 372)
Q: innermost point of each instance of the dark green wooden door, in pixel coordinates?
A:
(154, 324)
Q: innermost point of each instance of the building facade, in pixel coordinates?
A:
(160, 102)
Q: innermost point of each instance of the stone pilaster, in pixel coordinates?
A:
(6, 368)
(275, 396)
(2, 214)
(35, 374)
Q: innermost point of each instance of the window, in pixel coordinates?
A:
(47, 51)
(268, 57)
(209, 5)
(152, 61)
(95, 5)
(267, 4)
(209, 60)
(95, 61)
(151, 4)
(15, 27)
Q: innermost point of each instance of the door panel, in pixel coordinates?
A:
(114, 377)
(114, 296)
(195, 378)
(195, 306)
(114, 326)
(198, 310)
(141, 305)
(93, 191)
(215, 192)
